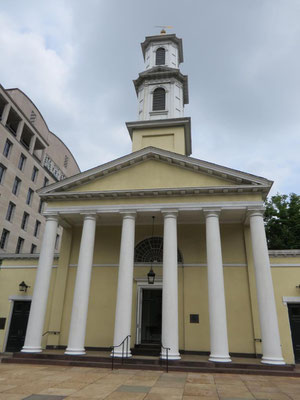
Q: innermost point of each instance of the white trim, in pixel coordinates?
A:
(22, 266)
(286, 300)
(118, 208)
(158, 265)
(19, 297)
(142, 283)
(12, 299)
(152, 152)
(286, 265)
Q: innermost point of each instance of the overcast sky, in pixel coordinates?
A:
(76, 60)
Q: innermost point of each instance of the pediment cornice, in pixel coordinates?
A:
(239, 181)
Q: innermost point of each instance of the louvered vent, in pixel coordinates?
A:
(160, 56)
(159, 99)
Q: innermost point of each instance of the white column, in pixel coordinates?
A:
(216, 292)
(82, 288)
(170, 287)
(265, 293)
(38, 308)
(125, 282)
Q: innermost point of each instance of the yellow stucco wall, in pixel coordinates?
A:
(171, 138)
(151, 174)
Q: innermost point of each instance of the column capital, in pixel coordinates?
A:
(255, 211)
(212, 212)
(89, 216)
(128, 214)
(170, 213)
(52, 217)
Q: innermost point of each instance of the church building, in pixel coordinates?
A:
(159, 247)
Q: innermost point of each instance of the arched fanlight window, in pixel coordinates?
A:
(150, 250)
(160, 56)
(159, 99)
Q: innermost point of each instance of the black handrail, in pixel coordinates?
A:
(113, 351)
(51, 332)
(167, 353)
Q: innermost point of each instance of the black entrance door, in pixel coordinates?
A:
(294, 314)
(151, 316)
(18, 325)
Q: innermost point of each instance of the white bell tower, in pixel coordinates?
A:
(162, 92)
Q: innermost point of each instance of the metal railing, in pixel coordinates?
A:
(125, 342)
(51, 332)
(167, 358)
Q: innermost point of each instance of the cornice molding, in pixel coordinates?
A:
(153, 153)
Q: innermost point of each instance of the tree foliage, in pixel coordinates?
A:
(282, 221)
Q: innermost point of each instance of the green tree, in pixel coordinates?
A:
(282, 221)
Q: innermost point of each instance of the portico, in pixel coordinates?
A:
(127, 219)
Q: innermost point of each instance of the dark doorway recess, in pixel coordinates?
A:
(151, 316)
(18, 325)
(294, 314)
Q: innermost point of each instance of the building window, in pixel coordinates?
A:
(41, 206)
(4, 239)
(159, 99)
(20, 244)
(2, 172)
(7, 148)
(37, 228)
(24, 222)
(33, 249)
(16, 186)
(151, 250)
(22, 161)
(10, 211)
(29, 197)
(160, 56)
(46, 181)
(57, 242)
(34, 174)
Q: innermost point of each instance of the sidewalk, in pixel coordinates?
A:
(36, 382)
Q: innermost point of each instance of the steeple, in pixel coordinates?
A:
(162, 92)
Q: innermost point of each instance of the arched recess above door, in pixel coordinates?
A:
(151, 250)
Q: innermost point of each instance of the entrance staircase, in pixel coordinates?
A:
(146, 350)
(152, 363)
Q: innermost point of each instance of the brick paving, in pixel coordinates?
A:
(37, 382)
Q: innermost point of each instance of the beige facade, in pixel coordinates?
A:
(30, 157)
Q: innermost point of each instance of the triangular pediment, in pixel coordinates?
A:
(153, 169)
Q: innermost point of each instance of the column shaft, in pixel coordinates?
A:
(265, 293)
(170, 288)
(125, 282)
(216, 292)
(38, 308)
(82, 288)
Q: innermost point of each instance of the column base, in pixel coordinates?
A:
(28, 349)
(174, 356)
(75, 352)
(223, 359)
(273, 361)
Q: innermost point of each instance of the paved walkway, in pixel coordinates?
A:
(36, 382)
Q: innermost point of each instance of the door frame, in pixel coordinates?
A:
(12, 300)
(286, 301)
(142, 283)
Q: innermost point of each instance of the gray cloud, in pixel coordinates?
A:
(77, 60)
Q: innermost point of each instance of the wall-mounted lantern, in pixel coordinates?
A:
(23, 287)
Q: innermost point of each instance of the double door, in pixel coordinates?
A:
(18, 325)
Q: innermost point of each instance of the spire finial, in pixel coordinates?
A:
(164, 27)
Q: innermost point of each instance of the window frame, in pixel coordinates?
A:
(24, 222)
(4, 238)
(37, 228)
(159, 56)
(34, 174)
(7, 148)
(22, 162)
(20, 244)
(154, 99)
(3, 169)
(16, 186)
(10, 211)
(29, 196)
